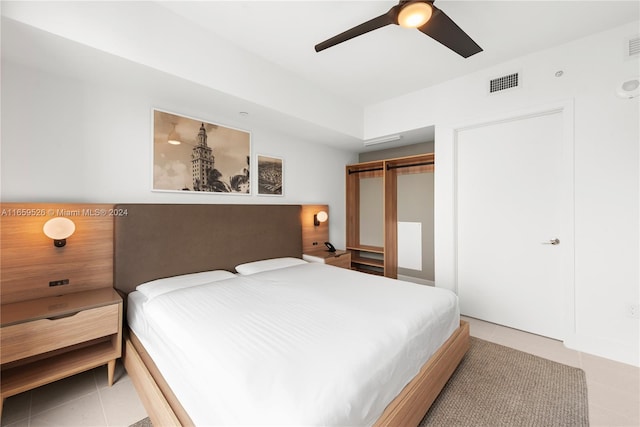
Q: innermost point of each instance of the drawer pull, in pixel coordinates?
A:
(62, 316)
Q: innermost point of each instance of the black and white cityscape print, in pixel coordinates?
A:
(194, 155)
(270, 176)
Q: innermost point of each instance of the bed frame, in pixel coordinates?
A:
(154, 241)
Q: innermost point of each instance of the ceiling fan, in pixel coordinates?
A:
(420, 14)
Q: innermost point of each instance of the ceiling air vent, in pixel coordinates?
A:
(502, 83)
(633, 48)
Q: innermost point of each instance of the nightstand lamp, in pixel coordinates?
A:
(59, 229)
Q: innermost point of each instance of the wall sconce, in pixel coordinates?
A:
(319, 217)
(59, 229)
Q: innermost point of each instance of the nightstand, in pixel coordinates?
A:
(337, 258)
(47, 339)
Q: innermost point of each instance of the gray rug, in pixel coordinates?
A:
(145, 422)
(499, 386)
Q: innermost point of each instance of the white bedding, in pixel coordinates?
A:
(310, 344)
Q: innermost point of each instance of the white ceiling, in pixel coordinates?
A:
(392, 61)
(380, 65)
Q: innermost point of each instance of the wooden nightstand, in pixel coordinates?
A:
(47, 339)
(337, 258)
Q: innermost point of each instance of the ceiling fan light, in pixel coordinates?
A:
(414, 15)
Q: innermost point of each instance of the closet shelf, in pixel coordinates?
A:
(355, 259)
(367, 248)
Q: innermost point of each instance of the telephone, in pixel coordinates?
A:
(330, 246)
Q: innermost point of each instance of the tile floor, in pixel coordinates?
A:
(86, 400)
(82, 400)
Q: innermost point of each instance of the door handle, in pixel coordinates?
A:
(554, 242)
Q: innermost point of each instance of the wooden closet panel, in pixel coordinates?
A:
(412, 164)
(393, 168)
(354, 173)
(353, 209)
(390, 224)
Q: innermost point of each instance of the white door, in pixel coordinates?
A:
(510, 209)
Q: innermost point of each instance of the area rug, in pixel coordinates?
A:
(499, 386)
(145, 422)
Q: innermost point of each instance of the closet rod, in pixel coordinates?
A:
(364, 170)
(389, 167)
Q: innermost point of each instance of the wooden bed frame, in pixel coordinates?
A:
(407, 409)
(145, 249)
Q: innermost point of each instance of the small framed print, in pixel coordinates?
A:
(270, 176)
(191, 155)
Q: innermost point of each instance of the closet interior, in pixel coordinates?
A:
(390, 216)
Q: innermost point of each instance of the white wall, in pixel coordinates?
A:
(606, 133)
(67, 139)
(148, 33)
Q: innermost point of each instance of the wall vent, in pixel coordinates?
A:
(502, 83)
(633, 47)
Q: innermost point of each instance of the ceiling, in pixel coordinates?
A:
(393, 61)
(374, 67)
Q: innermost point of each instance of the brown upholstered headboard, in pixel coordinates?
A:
(162, 240)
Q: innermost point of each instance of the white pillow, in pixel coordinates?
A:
(267, 264)
(158, 287)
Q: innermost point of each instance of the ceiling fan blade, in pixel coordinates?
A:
(373, 24)
(442, 29)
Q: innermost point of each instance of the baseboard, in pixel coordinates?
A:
(416, 280)
(614, 350)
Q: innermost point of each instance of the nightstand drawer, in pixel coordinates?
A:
(39, 336)
(338, 258)
(343, 261)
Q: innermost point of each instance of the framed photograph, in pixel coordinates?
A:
(270, 176)
(195, 155)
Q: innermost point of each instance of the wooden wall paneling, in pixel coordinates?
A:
(313, 237)
(29, 260)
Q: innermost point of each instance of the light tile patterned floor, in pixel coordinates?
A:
(82, 400)
(86, 400)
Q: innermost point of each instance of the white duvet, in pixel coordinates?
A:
(305, 345)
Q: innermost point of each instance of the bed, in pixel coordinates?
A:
(282, 341)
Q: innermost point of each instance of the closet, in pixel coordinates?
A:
(373, 230)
